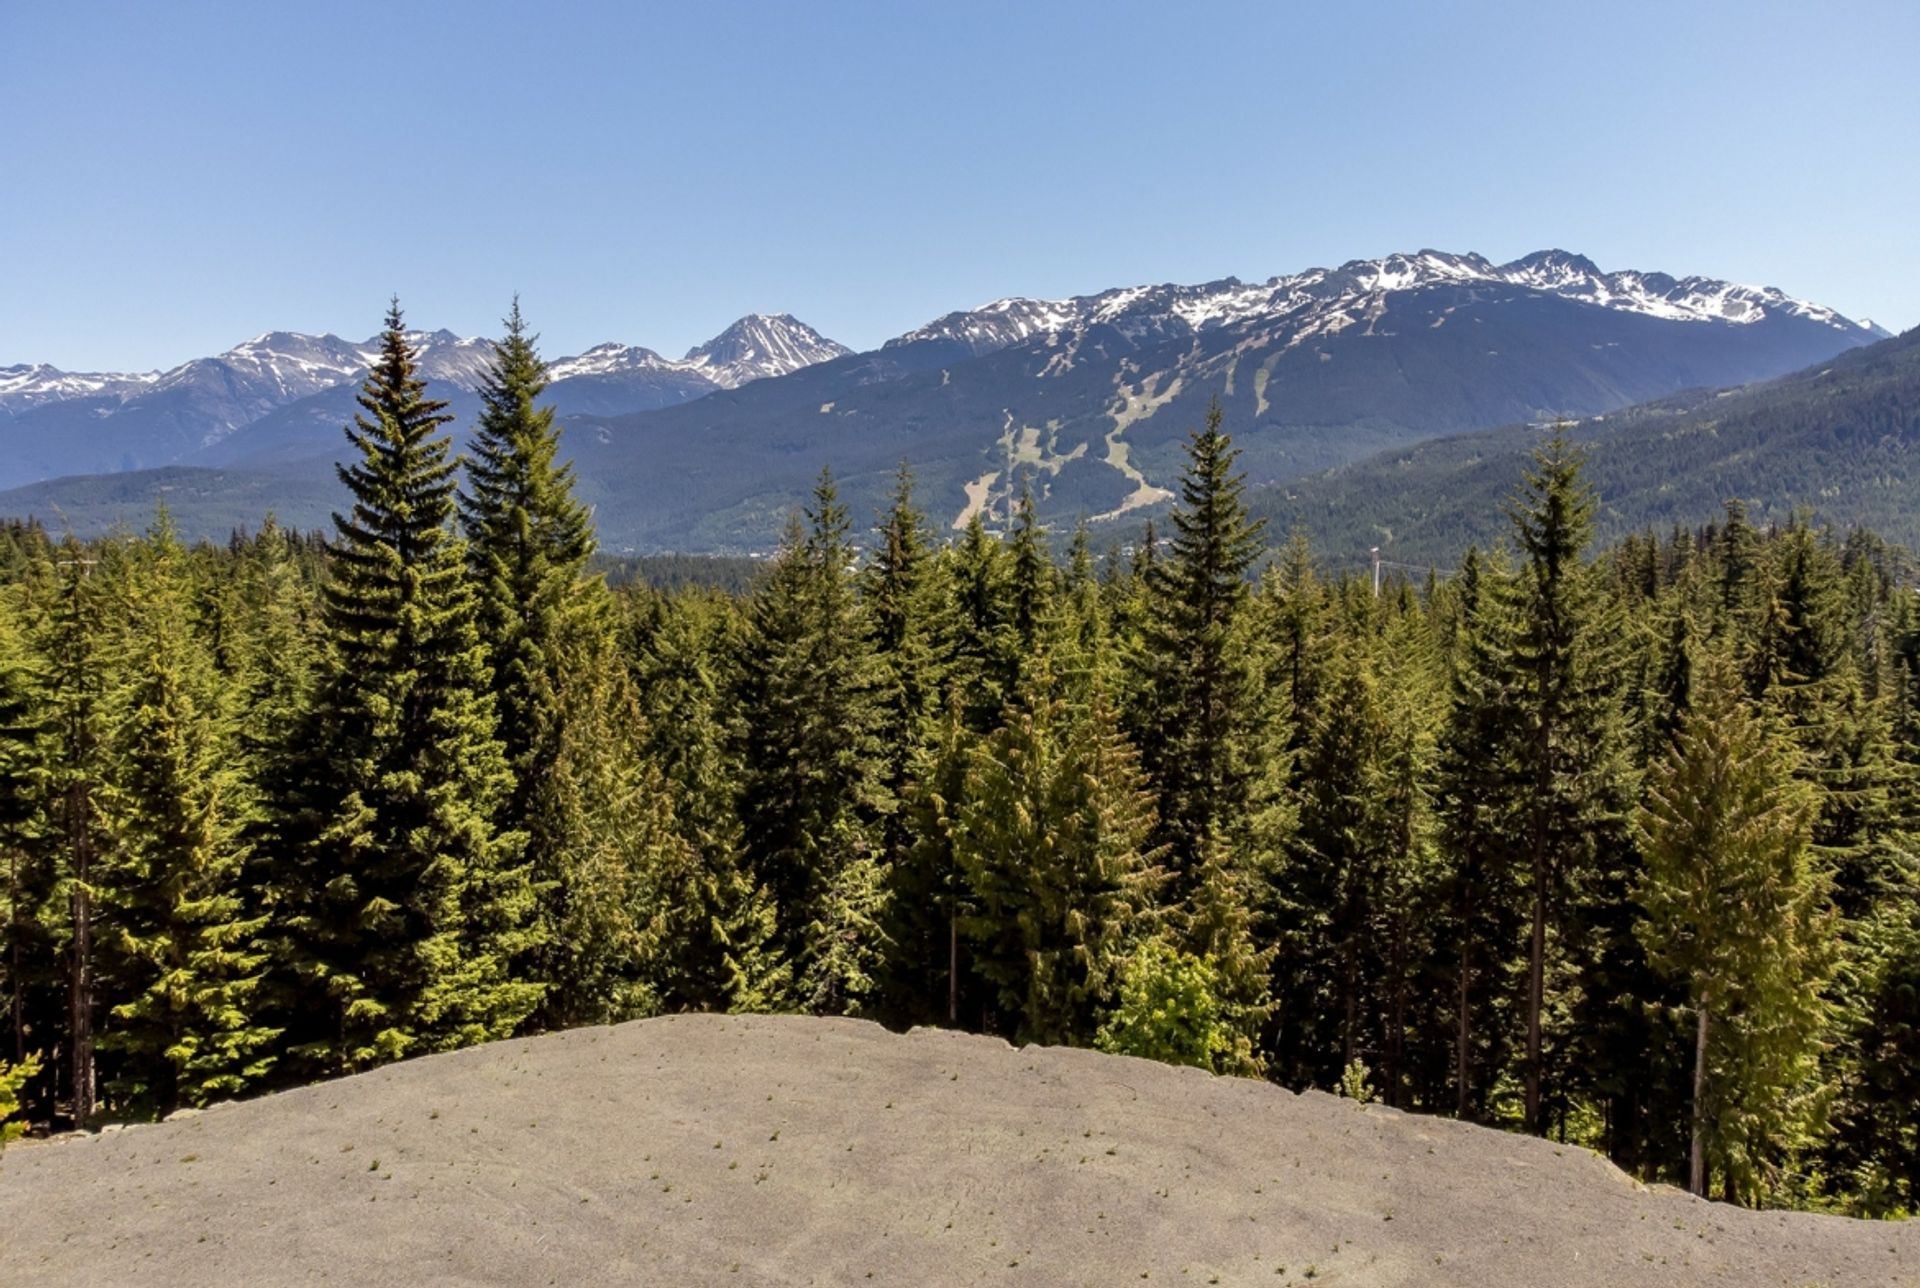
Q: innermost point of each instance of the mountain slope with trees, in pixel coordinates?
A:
(1840, 439)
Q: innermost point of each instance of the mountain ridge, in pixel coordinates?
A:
(1087, 399)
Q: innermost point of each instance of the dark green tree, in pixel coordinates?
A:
(1572, 802)
(1206, 726)
(812, 792)
(401, 905)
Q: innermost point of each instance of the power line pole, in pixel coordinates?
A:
(1376, 571)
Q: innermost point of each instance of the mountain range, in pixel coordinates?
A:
(279, 386)
(1086, 399)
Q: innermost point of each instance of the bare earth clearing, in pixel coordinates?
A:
(710, 1150)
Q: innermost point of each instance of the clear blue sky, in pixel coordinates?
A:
(176, 177)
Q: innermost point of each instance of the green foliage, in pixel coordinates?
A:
(1052, 841)
(1355, 1083)
(1839, 439)
(261, 818)
(1736, 908)
(812, 788)
(179, 947)
(12, 1078)
(1205, 717)
(400, 907)
(1168, 1010)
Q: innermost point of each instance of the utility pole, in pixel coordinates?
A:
(1376, 572)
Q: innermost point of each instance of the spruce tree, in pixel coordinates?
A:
(1572, 802)
(528, 541)
(1736, 907)
(401, 905)
(28, 912)
(980, 652)
(1206, 724)
(1052, 839)
(813, 795)
(80, 677)
(178, 945)
(1031, 581)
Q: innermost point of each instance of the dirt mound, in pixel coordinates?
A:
(734, 1150)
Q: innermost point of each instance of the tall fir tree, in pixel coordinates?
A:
(1206, 722)
(1572, 807)
(29, 914)
(528, 541)
(82, 664)
(401, 905)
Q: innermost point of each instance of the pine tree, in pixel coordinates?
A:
(178, 947)
(1052, 840)
(1573, 798)
(1477, 784)
(1735, 906)
(402, 905)
(812, 794)
(548, 627)
(714, 943)
(1206, 725)
(1031, 582)
(1217, 925)
(28, 912)
(980, 655)
(528, 541)
(1334, 877)
(80, 676)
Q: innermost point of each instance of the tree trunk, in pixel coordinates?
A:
(80, 982)
(1349, 988)
(1461, 1059)
(1536, 988)
(17, 1002)
(953, 970)
(1697, 1165)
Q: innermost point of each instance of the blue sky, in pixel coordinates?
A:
(176, 177)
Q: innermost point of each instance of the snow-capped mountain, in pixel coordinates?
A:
(1338, 297)
(31, 384)
(760, 345)
(609, 359)
(1088, 400)
(757, 346)
(267, 371)
(294, 389)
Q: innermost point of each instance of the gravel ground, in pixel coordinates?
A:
(742, 1151)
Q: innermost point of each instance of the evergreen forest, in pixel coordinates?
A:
(1615, 846)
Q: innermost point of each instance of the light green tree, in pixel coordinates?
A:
(1735, 906)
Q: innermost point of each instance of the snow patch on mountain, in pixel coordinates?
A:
(1322, 299)
(276, 368)
(761, 345)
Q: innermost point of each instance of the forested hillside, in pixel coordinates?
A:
(1613, 846)
(1841, 440)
